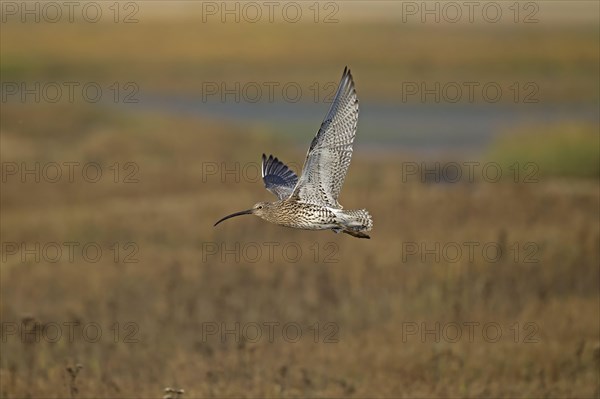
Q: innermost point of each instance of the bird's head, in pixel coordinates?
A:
(261, 209)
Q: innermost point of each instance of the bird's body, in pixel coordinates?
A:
(310, 202)
(298, 215)
(302, 215)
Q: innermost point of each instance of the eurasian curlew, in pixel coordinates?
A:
(310, 202)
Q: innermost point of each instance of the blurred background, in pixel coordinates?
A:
(128, 128)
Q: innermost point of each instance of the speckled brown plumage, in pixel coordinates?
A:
(311, 201)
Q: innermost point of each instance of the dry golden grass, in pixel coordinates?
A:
(370, 293)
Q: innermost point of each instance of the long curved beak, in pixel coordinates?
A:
(247, 212)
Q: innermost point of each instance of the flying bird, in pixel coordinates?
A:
(311, 201)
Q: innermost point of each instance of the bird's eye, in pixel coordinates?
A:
(260, 207)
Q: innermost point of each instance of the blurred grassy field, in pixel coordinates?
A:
(371, 292)
(566, 150)
(179, 55)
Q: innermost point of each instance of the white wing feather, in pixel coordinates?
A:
(330, 152)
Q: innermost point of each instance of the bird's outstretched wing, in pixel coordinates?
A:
(278, 178)
(330, 152)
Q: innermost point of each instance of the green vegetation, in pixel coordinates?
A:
(565, 151)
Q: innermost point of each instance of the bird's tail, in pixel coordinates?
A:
(356, 220)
